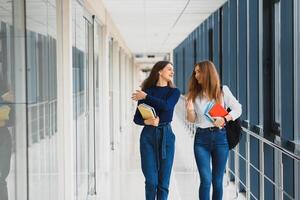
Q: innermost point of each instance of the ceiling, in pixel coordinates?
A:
(158, 26)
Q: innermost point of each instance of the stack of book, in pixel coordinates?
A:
(147, 111)
(214, 110)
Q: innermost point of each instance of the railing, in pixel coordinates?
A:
(42, 120)
(278, 152)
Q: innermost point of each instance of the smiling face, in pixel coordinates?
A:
(167, 73)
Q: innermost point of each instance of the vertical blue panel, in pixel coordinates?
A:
(254, 89)
(287, 95)
(175, 63)
(242, 75)
(189, 61)
(183, 69)
(269, 171)
(287, 63)
(254, 159)
(288, 176)
(179, 68)
(253, 61)
(216, 40)
(242, 56)
(207, 38)
(225, 44)
(198, 44)
(203, 41)
(233, 46)
(242, 163)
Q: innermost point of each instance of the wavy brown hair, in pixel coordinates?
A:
(154, 75)
(209, 83)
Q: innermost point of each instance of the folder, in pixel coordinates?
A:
(4, 113)
(147, 111)
(217, 110)
(214, 110)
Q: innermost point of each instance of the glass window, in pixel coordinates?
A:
(83, 97)
(111, 123)
(277, 67)
(12, 101)
(41, 56)
(97, 98)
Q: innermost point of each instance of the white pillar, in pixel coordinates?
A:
(65, 99)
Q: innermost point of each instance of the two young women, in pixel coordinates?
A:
(157, 138)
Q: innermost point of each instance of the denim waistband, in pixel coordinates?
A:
(210, 129)
(164, 124)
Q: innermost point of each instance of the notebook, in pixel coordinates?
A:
(214, 110)
(147, 111)
(4, 112)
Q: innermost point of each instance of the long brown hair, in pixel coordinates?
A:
(154, 75)
(210, 83)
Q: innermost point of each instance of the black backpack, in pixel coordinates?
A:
(233, 132)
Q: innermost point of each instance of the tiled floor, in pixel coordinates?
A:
(184, 181)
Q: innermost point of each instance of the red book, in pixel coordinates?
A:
(217, 111)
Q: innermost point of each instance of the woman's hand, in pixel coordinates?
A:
(219, 121)
(189, 105)
(190, 111)
(138, 95)
(153, 121)
(8, 96)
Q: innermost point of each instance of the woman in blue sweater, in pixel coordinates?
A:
(157, 138)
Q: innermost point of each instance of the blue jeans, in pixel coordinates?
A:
(157, 145)
(211, 144)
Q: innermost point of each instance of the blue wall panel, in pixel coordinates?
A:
(233, 46)
(287, 69)
(287, 81)
(216, 40)
(242, 56)
(254, 87)
(253, 61)
(269, 171)
(225, 44)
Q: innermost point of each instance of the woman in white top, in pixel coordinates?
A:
(210, 143)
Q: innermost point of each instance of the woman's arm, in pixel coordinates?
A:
(190, 111)
(167, 104)
(231, 102)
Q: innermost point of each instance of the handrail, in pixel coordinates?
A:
(255, 132)
(272, 144)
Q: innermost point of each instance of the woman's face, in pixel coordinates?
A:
(167, 72)
(198, 74)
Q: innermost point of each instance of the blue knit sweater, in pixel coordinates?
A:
(163, 100)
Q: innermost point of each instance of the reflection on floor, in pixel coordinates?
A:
(184, 181)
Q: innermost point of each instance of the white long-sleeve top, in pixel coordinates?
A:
(228, 101)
